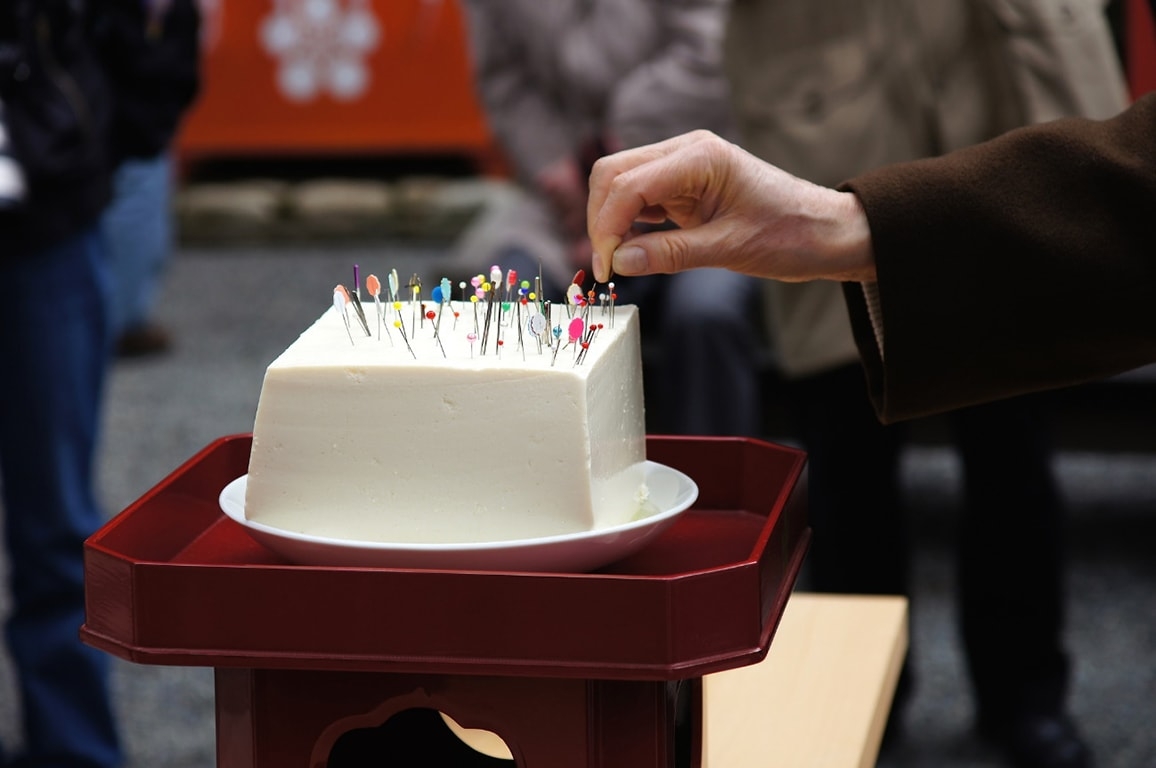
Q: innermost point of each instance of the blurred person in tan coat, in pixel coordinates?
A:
(830, 90)
(566, 81)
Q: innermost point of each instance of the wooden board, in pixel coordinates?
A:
(822, 695)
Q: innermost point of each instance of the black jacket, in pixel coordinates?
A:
(57, 112)
(154, 66)
(85, 85)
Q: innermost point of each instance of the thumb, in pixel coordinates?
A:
(666, 251)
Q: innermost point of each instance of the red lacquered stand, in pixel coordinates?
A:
(338, 667)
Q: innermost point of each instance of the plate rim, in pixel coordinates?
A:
(684, 502)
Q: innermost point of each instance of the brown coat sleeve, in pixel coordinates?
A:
(1021, 264)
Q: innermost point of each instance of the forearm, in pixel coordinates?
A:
(1021, 264)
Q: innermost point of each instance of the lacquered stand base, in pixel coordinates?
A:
(335, 667)
(278, 718)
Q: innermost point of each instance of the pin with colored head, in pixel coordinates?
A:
(356, 302)
(430, 315)
(537, 325)
(462, 287)
(399, 324)
(587, 339)
(340, 298)
(443, 295)
(393, 282)
(415, 294)
(557, 331)
(373, 285)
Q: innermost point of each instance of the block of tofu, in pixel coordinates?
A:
(404, 436)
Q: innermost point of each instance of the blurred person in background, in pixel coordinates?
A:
(159, 65)
(60, 97)
(54, 340)
(830, 90)
(561, 84)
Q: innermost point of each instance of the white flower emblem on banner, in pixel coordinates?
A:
(321, 47)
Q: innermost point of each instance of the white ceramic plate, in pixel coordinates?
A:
(671, 492)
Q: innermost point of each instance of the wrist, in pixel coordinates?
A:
(842, 239)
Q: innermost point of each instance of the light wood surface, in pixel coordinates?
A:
(818, 700)
(821, 696)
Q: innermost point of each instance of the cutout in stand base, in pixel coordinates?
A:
(480, 740)
(412, 738)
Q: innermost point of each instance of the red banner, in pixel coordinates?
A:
(334, 77)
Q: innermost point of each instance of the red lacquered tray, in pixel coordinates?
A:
(173, 581)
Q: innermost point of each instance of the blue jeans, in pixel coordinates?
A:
(138, 232)
(54, 344)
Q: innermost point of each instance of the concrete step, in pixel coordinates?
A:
(330, 209)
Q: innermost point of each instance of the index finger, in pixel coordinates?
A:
(627, 187)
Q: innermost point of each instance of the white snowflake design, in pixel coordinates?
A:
(321, 46)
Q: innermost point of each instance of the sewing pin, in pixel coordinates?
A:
(577, 325)
(511, 284)
(537, 325)
(538, 285)
(373, 285)
(573, 298)
(521, 342)
(392, 279)
(462, 286)
(438, 297)
(557, 331)
(430, 315)
(496, 278)
(488, 289)
(415, 290)
(589, 338)
(340, 296)
(399, 323)
(356, 302)
(447, 291)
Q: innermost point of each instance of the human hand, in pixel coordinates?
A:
(732, 209)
